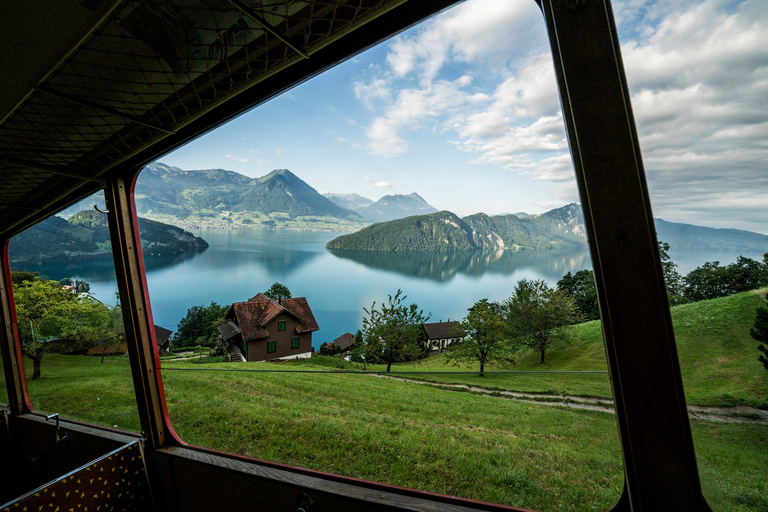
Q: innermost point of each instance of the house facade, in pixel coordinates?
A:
(268, 330)
(438, 336)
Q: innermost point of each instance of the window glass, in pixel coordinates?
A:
(70, 321)
(700, 101)
(459, 115)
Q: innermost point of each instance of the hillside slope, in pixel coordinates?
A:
(86, 235)
(444, 231)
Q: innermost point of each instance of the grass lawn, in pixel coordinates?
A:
(439, 440)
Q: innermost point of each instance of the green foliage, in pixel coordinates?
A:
(672, 278)
(52, 319)
(393, 333)
(537, 314)
(712, 280)
(198, 327)
(278, 292)
(760, 333)
(483, 332)
(19, 277)
(581, 286)
(329, 349)
(444, 231)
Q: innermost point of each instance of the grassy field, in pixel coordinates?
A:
(458, 443)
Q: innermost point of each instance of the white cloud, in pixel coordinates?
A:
(482, 74)
(236, 159)
(376, 184)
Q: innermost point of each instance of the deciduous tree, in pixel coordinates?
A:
(483, 336)
(198, 327)
(537, 314)
(581, 286)
(53, 319)
(278, 292)
(393, 333)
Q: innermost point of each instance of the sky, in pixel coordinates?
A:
(463, 109)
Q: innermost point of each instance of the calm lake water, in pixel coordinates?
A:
(337, 284)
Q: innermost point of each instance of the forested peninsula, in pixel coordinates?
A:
(86, 235)
(445, 231)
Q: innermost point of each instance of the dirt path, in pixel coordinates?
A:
(740, 414)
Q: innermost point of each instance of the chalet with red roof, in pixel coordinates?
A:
(266, 330)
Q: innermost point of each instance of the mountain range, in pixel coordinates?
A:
(561, 228)
(220, 198)
(280, 199)
(387, 208)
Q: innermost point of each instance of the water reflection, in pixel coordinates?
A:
(444, 266)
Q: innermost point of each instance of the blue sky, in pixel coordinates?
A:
(463, 109)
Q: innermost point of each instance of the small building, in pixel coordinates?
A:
(438, 336)
(345, 342)
(163, 337)
(267, 330)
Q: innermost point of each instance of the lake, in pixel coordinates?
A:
(337, 284)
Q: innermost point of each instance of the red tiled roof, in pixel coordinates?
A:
(254, 315)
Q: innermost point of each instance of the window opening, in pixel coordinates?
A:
(706, 172)
(281, 325)
(479, 138)
(70, 320)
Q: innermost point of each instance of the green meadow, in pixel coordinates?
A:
(447, 440)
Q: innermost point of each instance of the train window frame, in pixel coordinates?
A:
(660, 469)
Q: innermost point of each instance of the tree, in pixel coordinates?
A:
(198, 327)
(760, 333)
(672, 278)
(278, 292)
(483, 332)
(537, 314)
(52, 319)
(581, 286)
(712, 280)
(393, 333)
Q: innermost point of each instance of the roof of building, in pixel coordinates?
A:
(345, 341)
(253, 316)
(441, 330)
(228, 329)
(162, 334)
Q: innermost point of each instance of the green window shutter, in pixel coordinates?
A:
(271, 346)
(281, 325)
(294, 342)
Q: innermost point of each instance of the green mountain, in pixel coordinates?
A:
(396, 207)
(444, 231)
(220, 198)
(561, 228)
(86, 235)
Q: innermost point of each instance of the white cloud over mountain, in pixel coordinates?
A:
(482, 75)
